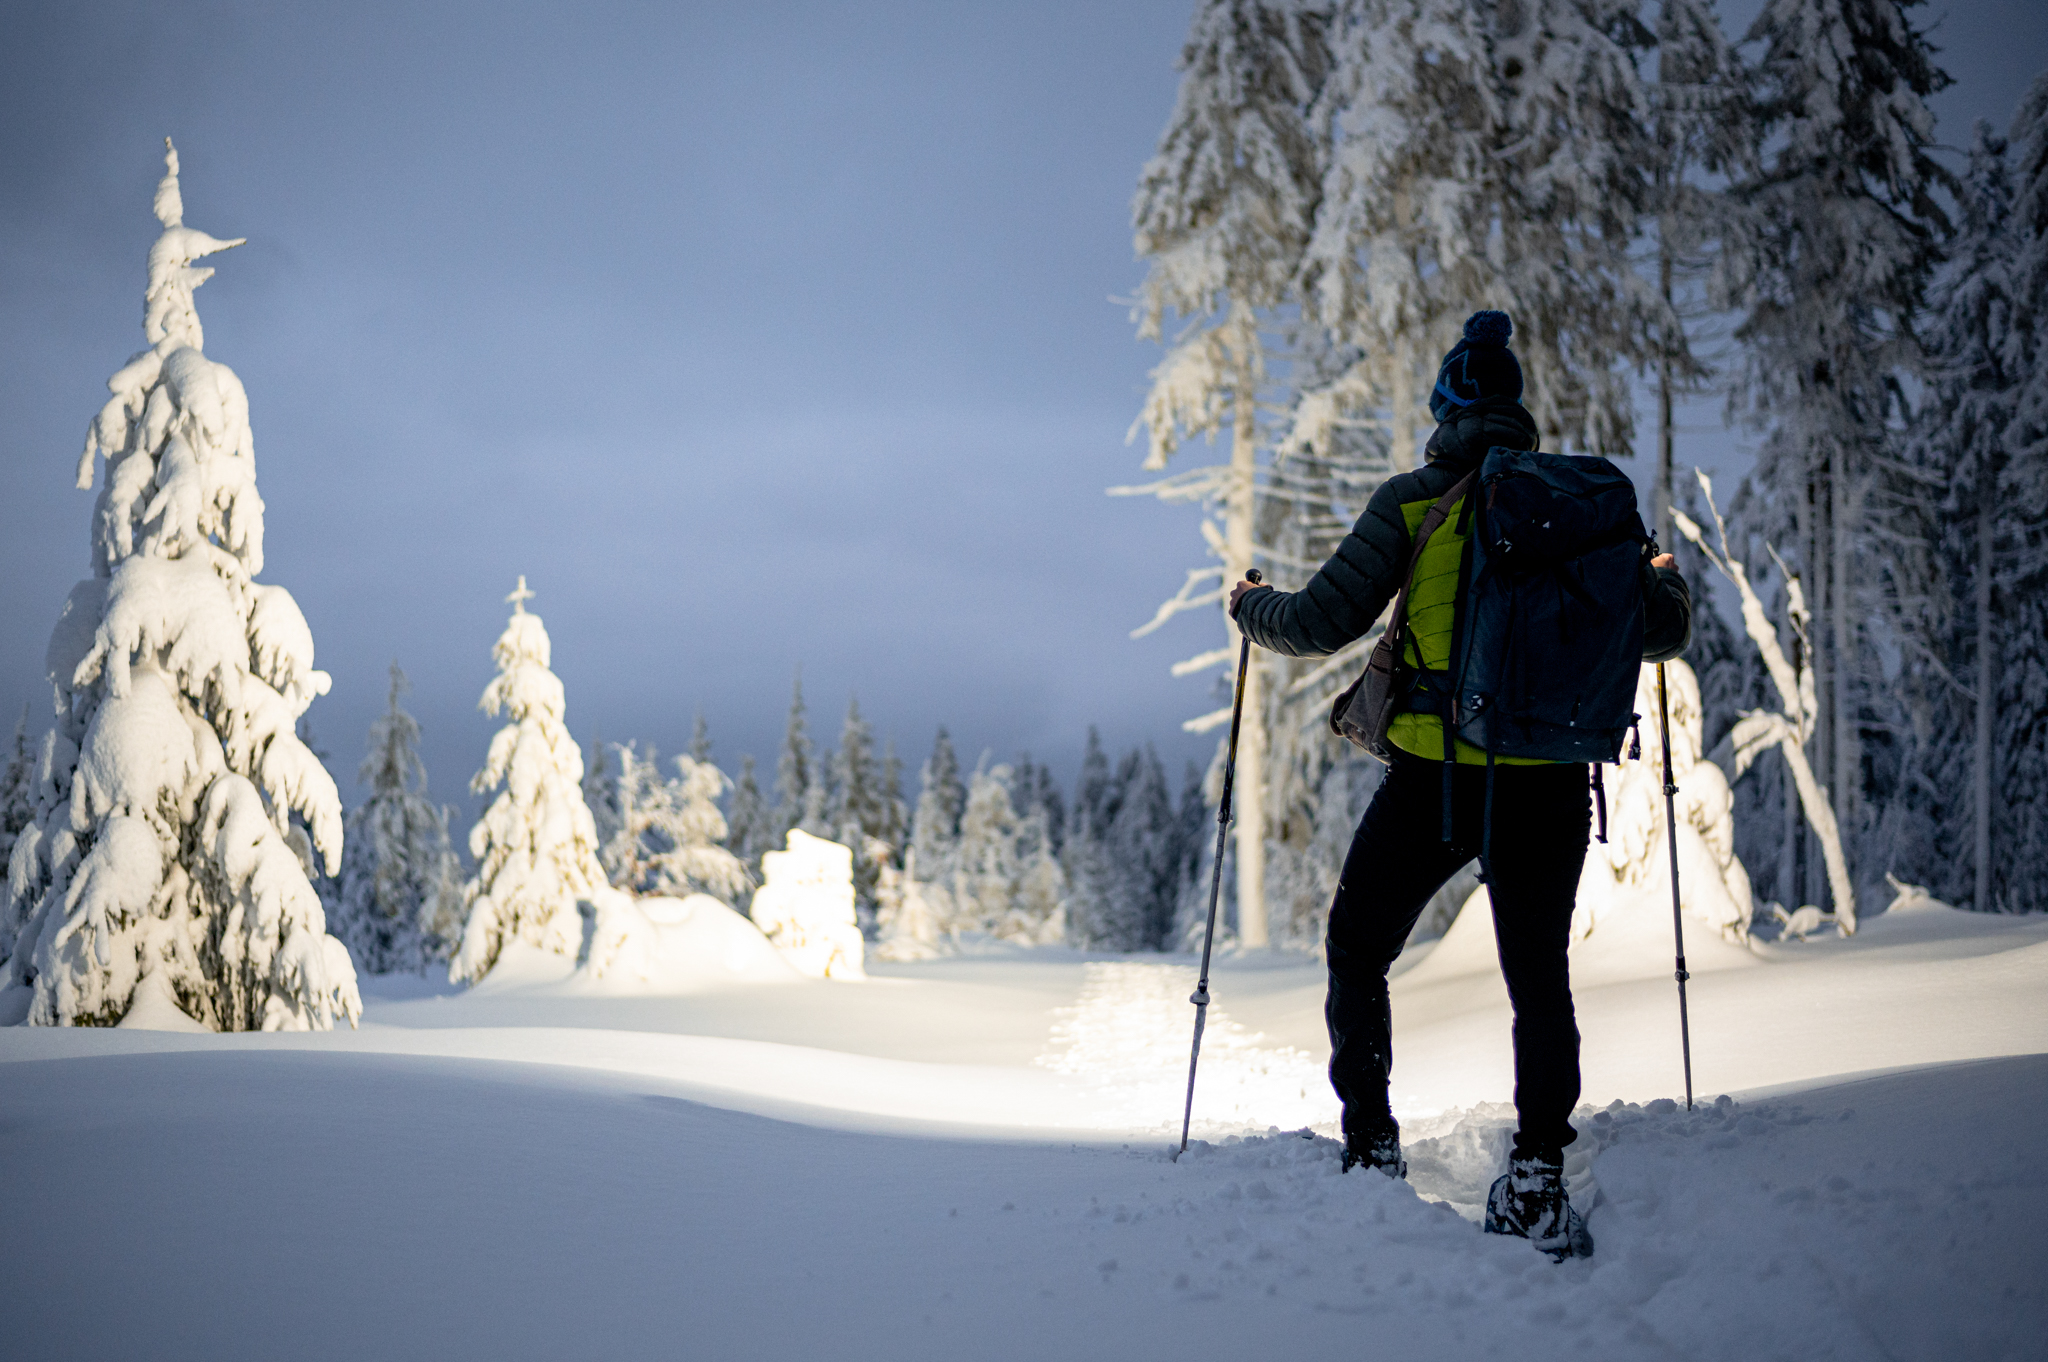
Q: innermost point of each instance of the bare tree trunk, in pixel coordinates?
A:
(1847, 753)
(1987, 690)
(1821, 600)
(1250, 795)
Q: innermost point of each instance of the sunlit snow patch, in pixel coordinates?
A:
(1127, 1037)
(805, 906)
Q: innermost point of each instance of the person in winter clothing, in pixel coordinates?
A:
(1401, 855)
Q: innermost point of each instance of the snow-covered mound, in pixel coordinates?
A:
(805, 906)
(647, 947)
(1630, 873)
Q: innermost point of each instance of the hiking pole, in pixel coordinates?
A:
(1677, 922)
(1200, 997)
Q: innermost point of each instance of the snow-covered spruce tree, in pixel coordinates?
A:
(1826, 258)
(693, 859)
(800, 787)
(601, 790)
(859, 812)
(985, 871)
(1039, 905)
(1397, 259)
(162, 864)
(1972, 519)
(1483, 156)
(536, 845)
(2021, 739)
(1222, 214)
(895, 812)
(400, 901)
(748, 820)
(636, 796)
(935, 827)
(1142, 847)
(1704, 124)
(17, 789)
(670, 837)
(1097, 914)
(1195, 836)
(1575, 162)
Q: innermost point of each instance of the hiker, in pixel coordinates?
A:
(1429, 817)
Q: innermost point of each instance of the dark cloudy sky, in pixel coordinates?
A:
(754, 335)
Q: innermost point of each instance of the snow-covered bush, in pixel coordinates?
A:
(536, 845)
(400, 906)
(805, 906)
(668, 835)
(1631, 871)
(163, 855)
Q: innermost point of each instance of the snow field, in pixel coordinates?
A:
(1778, 1228)
(977, 1168)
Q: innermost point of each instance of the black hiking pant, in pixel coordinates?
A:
(1397, 862)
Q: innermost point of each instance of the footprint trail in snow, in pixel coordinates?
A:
(1127, 1035)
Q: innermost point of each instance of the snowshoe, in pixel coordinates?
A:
(1380, 1152)
(1529, 1200)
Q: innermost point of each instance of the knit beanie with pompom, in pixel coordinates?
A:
(1479, 365)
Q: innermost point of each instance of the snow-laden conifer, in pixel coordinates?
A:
(670, 839)
(1980, 740)
(163, 856)
(1038, 907)
(1096, 916)
(634, 795)
(1222, 214)
(1704, 125)
(1142, 849)
(1397, 258)
(17, 789)
(800, 787)
(895, 812)
(536, 845)
(1827, 259)
(601, 791)
(984, 878)
(693, 859)
(859, 812)
(935, 828)
(2021, 742)
(748, 820)
(400, 900)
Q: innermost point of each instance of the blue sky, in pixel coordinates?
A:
(754, 336)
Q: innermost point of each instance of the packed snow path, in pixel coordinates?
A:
(934, 1164)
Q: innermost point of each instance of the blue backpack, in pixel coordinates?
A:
(1550, 633)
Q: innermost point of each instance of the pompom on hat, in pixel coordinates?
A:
(1479, 365)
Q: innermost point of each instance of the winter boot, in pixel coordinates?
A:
(1379, 1150)
(1529, 1200)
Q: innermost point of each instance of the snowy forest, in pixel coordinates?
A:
(776, 853)
(1672, 213)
